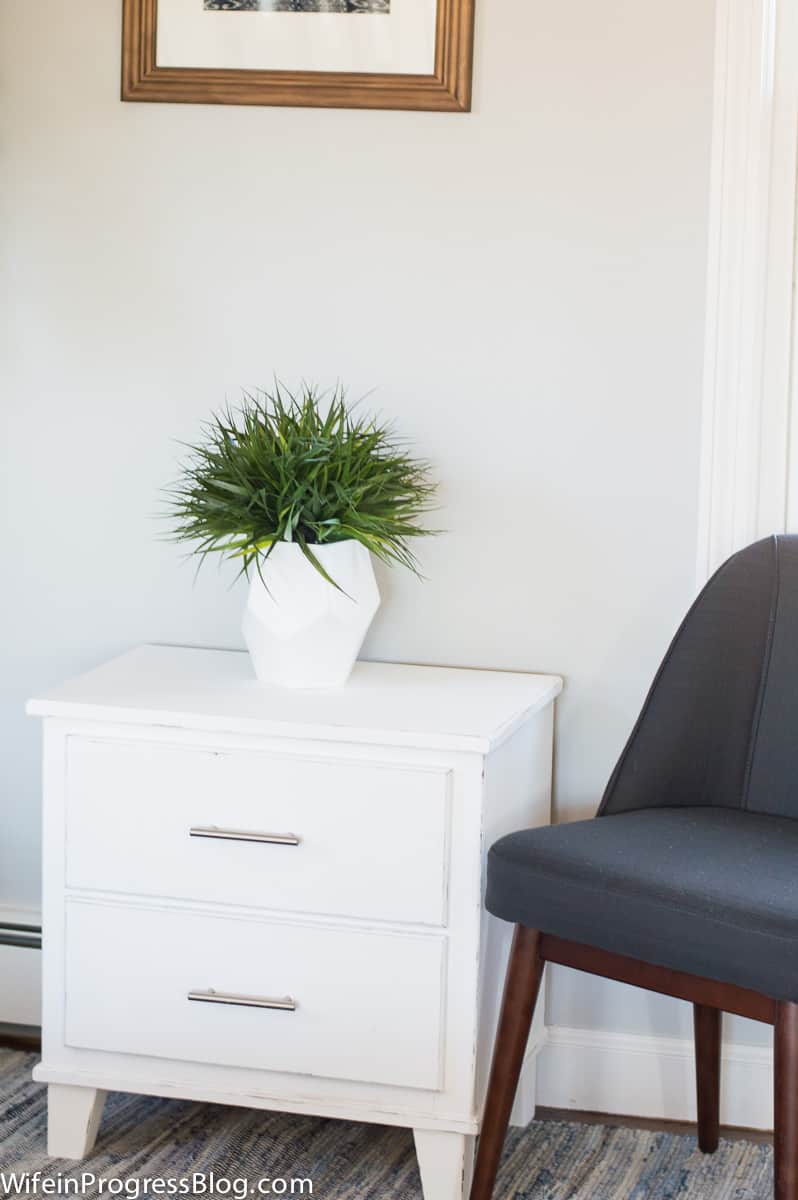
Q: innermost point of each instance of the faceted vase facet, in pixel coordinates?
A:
(301, 631)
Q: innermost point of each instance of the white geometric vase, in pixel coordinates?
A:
(301, 631)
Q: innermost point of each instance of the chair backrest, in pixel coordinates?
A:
(720, 723)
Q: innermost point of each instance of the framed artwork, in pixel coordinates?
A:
(413, 54)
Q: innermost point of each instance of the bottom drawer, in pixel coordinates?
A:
(359, 1005)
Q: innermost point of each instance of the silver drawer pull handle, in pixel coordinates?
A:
(241, 835)
(286, 1004)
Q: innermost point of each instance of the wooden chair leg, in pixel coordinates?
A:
(521, 987)
(785, 1087)
(707, 1028)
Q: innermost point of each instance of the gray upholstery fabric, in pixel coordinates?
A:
(693, 741)
(693, 863)
(773, 782)
(711, 891)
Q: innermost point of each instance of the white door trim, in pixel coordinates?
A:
(749, 324)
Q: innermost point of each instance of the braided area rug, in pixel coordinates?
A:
(143, 1138)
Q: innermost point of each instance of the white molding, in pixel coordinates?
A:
(779, 303)
(788, 75)
(751, 258)
(632, 1075)
(523, 1110)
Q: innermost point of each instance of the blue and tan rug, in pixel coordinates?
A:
(173, 1140)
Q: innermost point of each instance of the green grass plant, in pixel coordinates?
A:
(303, 468)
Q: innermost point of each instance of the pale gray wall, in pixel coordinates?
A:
(523, 286)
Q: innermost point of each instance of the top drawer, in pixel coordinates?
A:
(371, 839)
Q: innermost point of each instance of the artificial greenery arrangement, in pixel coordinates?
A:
(300, 468)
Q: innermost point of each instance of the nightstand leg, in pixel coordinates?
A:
(73, 1118)
(445, 1161)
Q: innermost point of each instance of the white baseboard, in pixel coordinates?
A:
(20, 967)
(630, 1075)
(525, 1096)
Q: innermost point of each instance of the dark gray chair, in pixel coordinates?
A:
(686, 882)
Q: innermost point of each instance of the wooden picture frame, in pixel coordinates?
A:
(448, 89)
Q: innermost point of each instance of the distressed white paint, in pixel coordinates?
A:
(368, 1002)
(391, 704)
(73, 1119)
(317, 801)
(445, 1162)
(395, 995)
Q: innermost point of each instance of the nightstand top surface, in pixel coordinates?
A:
(383, 703)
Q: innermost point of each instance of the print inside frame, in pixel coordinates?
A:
(401, 54)
(299, 6)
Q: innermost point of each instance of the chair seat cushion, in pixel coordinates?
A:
(711, 891)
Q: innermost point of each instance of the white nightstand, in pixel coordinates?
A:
(274, 898)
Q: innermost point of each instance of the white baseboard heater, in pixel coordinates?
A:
(20, 967)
